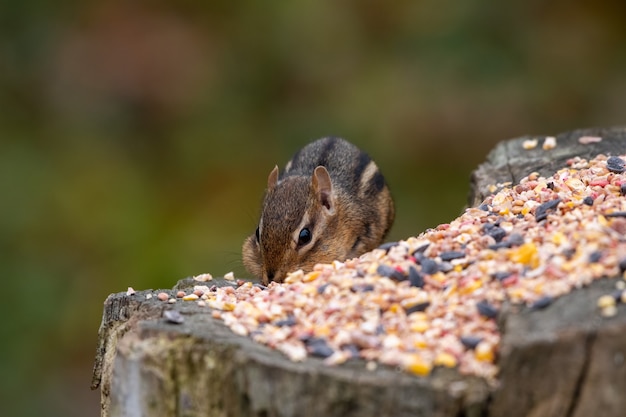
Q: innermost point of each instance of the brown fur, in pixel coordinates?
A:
(332, 189)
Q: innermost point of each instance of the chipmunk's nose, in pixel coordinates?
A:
(270, 275)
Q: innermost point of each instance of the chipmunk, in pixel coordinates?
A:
(330, 203)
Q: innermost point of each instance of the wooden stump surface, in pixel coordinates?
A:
(565, 360)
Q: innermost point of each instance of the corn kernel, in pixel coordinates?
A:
(311, 276)
(420, 344)
(484, 352)
(294, 277)
(445, 359)
(395, 307)
(419, 326)
(558, 238)
(525, 254)
(418, 366)
(473, 286)
(322, 330)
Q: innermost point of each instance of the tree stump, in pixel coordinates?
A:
(565, 360)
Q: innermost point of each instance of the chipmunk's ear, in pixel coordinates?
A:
(272, 180)
(323, 187)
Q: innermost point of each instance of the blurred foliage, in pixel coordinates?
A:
(135, 137)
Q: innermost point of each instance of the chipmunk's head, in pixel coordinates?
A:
(298, 211)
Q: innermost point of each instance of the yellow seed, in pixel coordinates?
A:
(419, 326)
(606, 301)
(540, 187)
(575, 184)
(395, 307)
(419, 316)
(190, 297)
(311, 276)
(323, 330)
(445, 359)
(439, 276)
(525, 210)
(294, 277)
(558, 238)
(525, 254)
(476, 284)
(309, 290)
(504, 211)
(484, 352)
(228, 306)
(458, 268)
(418, 366)
(602, 220)
(420, 344)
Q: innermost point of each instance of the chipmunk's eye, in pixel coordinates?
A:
(304, 237)
(257, 235)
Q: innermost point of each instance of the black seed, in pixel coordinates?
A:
(385, 270)
(450, 255)
(419, 251)
(387, 246)
(429, 266)
(173, 316)
(622, 265)
(417, 307)
(362, 288)
(486, 309)
(588, 200)
(616, 214)
(484, 207)
(415, 278)
(446, 267)
(595, 256)
(322, 288)
(289, 321)
(317, 346)
(550, 185)
(542, 302)
(615, 164)
(541, 213)
(496, 232)
(515, 239)
(569, 253)
(622, 188)
(471, 342)
(502, 275)
(391, 272)
(498, 246)
(352, 349)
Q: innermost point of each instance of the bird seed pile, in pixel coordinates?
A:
(433, 300)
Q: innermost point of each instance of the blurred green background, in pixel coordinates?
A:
(136, 137)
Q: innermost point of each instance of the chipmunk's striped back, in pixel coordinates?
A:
(331, 190)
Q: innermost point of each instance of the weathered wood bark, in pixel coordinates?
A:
(562, 361)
